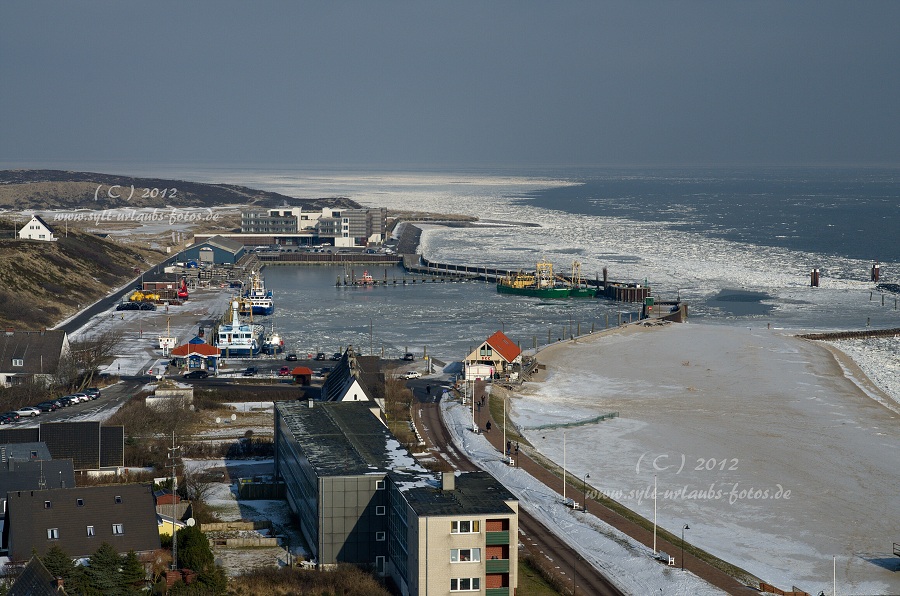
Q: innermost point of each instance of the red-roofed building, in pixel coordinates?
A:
(497, 352)
(197, 356)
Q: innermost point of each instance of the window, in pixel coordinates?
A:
(465, 555)
(53, 534)
(18, 362)
(464, 526)
(118, 529)
(379, 510)
(465, 584)
(379, 564)
(46, 504)
(118, 499)
(90, 530)
(379, 485)
(79, 502)
(379, 536)
(34, 455)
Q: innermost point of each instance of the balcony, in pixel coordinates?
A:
(496, 592)
(497, 538)
(497, 566)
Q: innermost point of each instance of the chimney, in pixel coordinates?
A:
(448, 481)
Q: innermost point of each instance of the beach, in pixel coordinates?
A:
(780, 453)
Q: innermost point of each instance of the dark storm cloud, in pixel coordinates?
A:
(451, 83)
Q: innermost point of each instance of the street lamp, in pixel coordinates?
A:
(683, 528)
(586, 476)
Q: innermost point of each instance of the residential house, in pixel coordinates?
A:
(36, 580)
(355, 378)
(79, 520)
(31, 356)
(496, 357)
(217, 250)
(90, 446)
(33, 470)
(37, 229)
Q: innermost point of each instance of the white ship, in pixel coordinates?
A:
(239, 338)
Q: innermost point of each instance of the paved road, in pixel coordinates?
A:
(535, 537)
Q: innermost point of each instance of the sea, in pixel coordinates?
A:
(737, 244)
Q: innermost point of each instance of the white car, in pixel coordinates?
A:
(28, 411)
(413, 374)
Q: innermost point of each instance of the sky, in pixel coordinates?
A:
(500, 83)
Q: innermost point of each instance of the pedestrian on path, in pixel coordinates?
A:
(488, 426)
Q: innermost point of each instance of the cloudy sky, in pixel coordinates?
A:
(485, 83)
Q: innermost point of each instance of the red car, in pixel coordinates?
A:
(284, 372)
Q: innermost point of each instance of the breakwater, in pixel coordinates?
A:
(852, 334)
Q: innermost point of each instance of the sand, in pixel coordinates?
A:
(760, 442)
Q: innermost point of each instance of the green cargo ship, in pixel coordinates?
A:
(543, 284)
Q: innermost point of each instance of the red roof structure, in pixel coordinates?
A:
(504, 346)
(202, 350)
(301, 370)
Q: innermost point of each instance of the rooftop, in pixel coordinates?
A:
(344, 438)
(475, 493)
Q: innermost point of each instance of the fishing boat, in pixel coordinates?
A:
(183, 290)
(239, 338)
(273, 343)
(261, 301)
(366, 279)
(540, 284)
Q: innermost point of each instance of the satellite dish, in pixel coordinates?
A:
(190, 522)
(233, 417)
(218, 420)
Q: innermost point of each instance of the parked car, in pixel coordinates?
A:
(48, 406)
(12, 415)
(6, 419)
(320, 356)
(250, 372)
(29, 411)
(413, 374)
(196, 374)
(93, 392)
(82, 397)
(284, 372)
(68, 400)
(291, 358)
(409, 356)
(336, 356)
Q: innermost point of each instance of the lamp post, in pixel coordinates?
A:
(683, 528)
(586, 476)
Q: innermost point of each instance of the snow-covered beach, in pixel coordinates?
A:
(777, 457)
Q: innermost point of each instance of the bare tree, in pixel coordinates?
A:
(85, 356)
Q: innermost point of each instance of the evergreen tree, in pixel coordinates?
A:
(104, 573)
(58, 563)
(193, 550)
(134, 575)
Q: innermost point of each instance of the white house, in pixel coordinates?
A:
(37, 229)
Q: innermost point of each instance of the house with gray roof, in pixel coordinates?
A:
(36, 580)
(355, 378)
(79, 520)
(31, 356)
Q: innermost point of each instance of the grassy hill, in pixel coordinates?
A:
(59, 189)
(44, 282)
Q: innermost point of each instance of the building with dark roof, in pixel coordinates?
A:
(89, 445)
(31, 356)
(355, 378)
(217, 250)
(37, 229)
(36, 580)
(18, 475)
(79, 520)
(362, 498)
